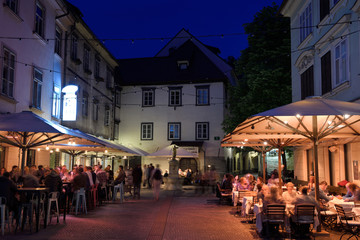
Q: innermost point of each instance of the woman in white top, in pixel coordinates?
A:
(289, 196)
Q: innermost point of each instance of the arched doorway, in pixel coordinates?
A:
(188, 163)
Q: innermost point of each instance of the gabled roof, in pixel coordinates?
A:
(165, 70)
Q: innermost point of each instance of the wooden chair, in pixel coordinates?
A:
(350, 226)
(303, 218)
(328, 217)
(275, 215)
(222, 194)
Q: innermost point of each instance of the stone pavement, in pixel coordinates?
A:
(177, 215)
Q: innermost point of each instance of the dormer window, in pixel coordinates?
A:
(183, 65)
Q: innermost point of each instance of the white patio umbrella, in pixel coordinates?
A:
(314, 120)
(169, 152)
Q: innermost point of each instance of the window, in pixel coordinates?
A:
(116, 130)
(148, 97)
(37, 83)
(56, 103)
(97, 66)
(86, 58)
(13, 5)
(202, 131)
(174, 131)
(305, 23)
(109, 77)
(307, 83)
(146, 131)
(326, 73)
(39, 19)
(183, 65)
(58, 37)
(341, 62)
(175, 96)
(324, 8)
(118, 98)
(202, 95)
(85, 103)
(96, 110)
(107, 116)
(74, 47)
(8, 73)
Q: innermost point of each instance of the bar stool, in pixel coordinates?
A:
(104, 188)
(120, 188)
(53, 198)
(94, 194)
(25, 211)
(79, 194)
(4, 214)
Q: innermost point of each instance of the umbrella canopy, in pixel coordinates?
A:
(311, 121)
(169, 150)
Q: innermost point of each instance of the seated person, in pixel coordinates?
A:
(304, 198)
(349, 196)
(53, 181)
(29, 180)
(273, 181)
(261, 192)
(322, 187)
(9, 190)
(227, 183)
(273, 198)
(289, 196)
(242, 184)
(79, 180)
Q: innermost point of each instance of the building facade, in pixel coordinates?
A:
(177, 97)
(325, 58)
(46, 46)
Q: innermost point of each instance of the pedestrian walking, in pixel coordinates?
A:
(149, 174)
(156, 180)
(137, 176)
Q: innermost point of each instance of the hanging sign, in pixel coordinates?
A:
(70, 103)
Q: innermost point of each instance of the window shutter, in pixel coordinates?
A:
(326, 73)
(307, 83)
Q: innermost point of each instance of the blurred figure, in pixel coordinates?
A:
(79, 180)
(15, 174)
(53, 181)
(311, 184)
(354, 191)
(156, 180)
(110, 173)
(9, 190)
(129, 181)
(227, 184)
(29, 180)
(322, 187)
(273, 198)
(144, 175)
(149, 171)
(137, 177)
(304, 198)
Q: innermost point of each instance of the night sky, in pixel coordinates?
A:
(164, 18)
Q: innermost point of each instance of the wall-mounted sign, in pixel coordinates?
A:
(70, 103)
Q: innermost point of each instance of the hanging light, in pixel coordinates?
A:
(69, 143)
(38, 149)
(47, 148)
(73, 143)
(57, 149)
(346, 116)
(298, 115)
(265, 143)
(286, 122)
(106, 151)
(51, 151)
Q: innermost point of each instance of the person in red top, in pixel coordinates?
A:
(101, 175)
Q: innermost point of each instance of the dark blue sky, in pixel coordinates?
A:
(164, 18)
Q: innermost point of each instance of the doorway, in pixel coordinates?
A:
(188, 163)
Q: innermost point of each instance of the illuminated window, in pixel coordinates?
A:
(174, 131)
(56, 103)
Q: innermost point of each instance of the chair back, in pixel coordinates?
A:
(54, 195)
(275, 212)
(305, 213)
(340, 211)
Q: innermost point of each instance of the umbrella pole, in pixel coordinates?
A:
(315, 154)
(264, 166)
(23, 157)
(279, 163)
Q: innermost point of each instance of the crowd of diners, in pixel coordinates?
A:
(269, 193)
(64, 181)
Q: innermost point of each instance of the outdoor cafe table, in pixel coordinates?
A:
(37, 192)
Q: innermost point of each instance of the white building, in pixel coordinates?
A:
(325, 59)
(178, 97)
(45, 46)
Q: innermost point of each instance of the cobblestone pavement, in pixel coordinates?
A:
(180, 215)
